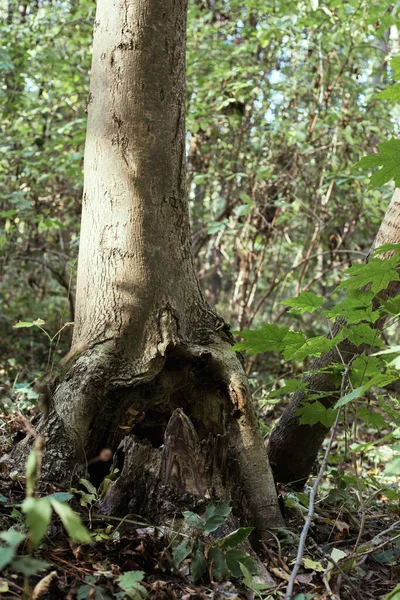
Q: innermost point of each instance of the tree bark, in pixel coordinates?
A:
(293, 448)
(150, 372)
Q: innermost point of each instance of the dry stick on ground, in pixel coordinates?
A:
(313, 494)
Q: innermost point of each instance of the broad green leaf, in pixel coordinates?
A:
(371, 418)
(3, 499)
(216, 515)
(72, 522)
(392, 468)
(7, 553)
(390, 93)
(21, 324)
(269, 337)
(312, 347)
(395, 66)
(89, 486)
(389, 161)
(198, 566)
(356, 393)
(193, 519)
(219, 567)
(61, 496)
(392, 305)
(387, 248)
(315, 412)
(12, 538)
(38, 515)
(338, 554)
(305, 302)
(377, 273)
(313, 565)
(182, 551)
(130, 582)
(247, 576)
(234, 557)
(27, 565)
(357, 307)
(362, 333)
(236, 537)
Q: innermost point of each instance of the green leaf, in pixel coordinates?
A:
(362, 333)
(27, 565)
(387, 248)
(7, 553)
(61, 496)
(198, 566)
(21, 324)
(235, 557)
(389, 161)
(305, 302)
(216, 515)
(12, 538)
(72, 522)
(38, 515)
(182, 551)
(89, 486)
(130, 582)
(193, 519)
(314, 346)
(390, 93)
(356, 393)
(392, 468)
(313, 565)
(371, 418)
(357, 307)
(3, 499)
(219, 567)
(315, 412)
(269, 337)
(377, 272)
(236, 537)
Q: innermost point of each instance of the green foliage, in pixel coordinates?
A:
(359, 310)
(222, 558)
(130, 583)
(388, 159)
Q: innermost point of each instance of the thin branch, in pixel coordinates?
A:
(313, 494)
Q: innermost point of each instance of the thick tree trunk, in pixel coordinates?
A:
(292, 447)
(150, 364)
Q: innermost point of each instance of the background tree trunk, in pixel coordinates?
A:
(292, 447)
(149, 357)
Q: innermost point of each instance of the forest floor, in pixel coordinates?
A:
(352, 550)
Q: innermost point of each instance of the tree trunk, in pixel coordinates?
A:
(292, 447)
(150, 370)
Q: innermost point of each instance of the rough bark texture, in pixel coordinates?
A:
(292, 447)
(150, 364)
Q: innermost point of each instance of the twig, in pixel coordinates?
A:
(313, 494)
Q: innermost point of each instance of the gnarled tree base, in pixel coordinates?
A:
(184, 434)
